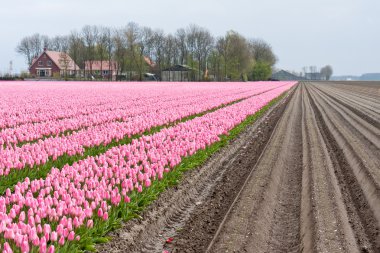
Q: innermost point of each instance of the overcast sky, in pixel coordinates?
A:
(342, 33)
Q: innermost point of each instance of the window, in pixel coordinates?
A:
(49, 63)
(105, 72)
(40, 63)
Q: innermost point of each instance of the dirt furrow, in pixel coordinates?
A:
(293, 201)
(269, 205)
(360, 152)
(372, 124)
(370, 89)
(367, 104)
(371, 112)
(360, 217)
(369, 92)
(370, 131)
(358, 185)
(328, 217)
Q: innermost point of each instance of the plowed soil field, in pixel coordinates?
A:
(303, 178)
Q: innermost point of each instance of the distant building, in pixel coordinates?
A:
(370, 77)
(178, 73)
(101, 69)
(314, 76)
(53, 64)
(283, 75)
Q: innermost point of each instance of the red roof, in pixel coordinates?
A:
(59, 59)
(149, 62)
(104, 65)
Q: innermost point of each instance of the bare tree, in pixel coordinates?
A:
(31, 47)
(191, 34)
(76, 48)
(215, 64)
(110, 45)
(158, 49)
(222, 46)
(327, 72)
(36, 44)
(101, 47)
(132, 35)
(90, 35)
(120, 45)
(55, 43)
(145, 42)
(181, 36)
(25, 48)
(170, 50)
(203, 43)
(304, 70)
(45, 41)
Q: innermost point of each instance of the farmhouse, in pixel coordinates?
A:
(101, 69)
(53, 64)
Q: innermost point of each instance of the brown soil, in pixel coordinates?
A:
(304, 178)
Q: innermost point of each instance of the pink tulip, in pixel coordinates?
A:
(72, 196)
(90, 223)
(25, 246)
(100, 212)
(7, 248)
(51, 249)
(54, 236)
(61, 241)
(42, 245)
(127, 199)
(147, 183)
(71, 236)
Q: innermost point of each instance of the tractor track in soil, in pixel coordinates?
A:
(304, 178)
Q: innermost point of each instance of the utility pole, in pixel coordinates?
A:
(10, 68)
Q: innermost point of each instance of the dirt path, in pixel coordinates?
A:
(305, 178)
(269, 206)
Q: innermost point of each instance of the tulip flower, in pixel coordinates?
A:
(69, 198)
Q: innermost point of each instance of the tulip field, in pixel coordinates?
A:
(77, 159)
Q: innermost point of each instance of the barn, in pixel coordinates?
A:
(177, 73)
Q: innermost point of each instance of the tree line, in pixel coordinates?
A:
(228, 57)
(312, 72)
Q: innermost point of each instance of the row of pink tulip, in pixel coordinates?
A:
(34, 131)
(47, 213)
(40, 152)
(28, 102)
(31, 102)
